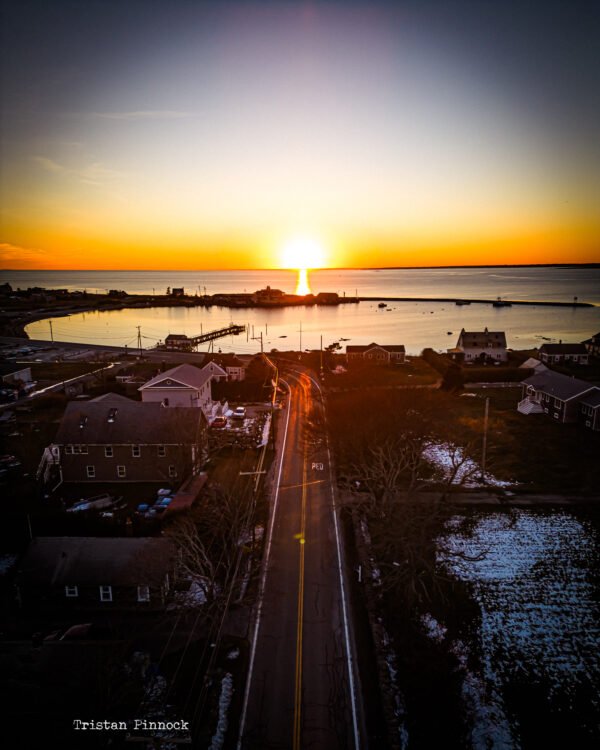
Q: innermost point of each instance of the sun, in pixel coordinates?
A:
(302, 253)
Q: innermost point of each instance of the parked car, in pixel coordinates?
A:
(219, 422)
(240, 412)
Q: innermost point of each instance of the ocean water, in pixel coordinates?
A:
(414, 324)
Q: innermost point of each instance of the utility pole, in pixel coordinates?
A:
(321, 355)
(139, 339)
(300, 337)
(485, 429)
(51, 332)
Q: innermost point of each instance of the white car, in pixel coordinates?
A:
(240, 412)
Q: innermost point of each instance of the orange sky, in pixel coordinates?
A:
(439, 144)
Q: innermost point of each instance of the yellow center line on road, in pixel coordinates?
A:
(302, 484)
(298, 688)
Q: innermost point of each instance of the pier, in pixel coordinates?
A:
(182, 342)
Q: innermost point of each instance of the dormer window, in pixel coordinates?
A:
(112, 414)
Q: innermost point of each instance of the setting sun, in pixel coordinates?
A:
(302, 253)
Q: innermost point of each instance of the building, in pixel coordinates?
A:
(377, 354)
(533, 364)
(564, 353)
(480, 346)
(592, 345)
(590, 410)
(96, 573)
(225, 367)
(559, 396)
(114, 439)
(185, 385)
(14, 375)
(178, 291)
(179, 342)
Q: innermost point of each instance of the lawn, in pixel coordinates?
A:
(538, 453)
(362, 375)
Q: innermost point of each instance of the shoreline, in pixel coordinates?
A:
(17, 326)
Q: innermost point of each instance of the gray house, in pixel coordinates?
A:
(96, 573)
(378, 354)
(559, 396)
(560, 353)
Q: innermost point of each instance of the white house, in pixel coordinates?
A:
(480, 345)
(184, 385)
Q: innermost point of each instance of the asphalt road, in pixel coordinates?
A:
(301, 680)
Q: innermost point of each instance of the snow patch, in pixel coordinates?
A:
(218, 740)
(457, 468)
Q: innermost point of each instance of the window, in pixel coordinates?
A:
(136, 451)
(71, 592)
(106, 593)
(143, 593)
(80, 449)
(90, 471)
(172, 471)
(68, 450)
(108, 451)
(556, 416)
(121, 472)
(162, 451)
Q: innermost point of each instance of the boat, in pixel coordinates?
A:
(501, 303)
(462, 302)
(382, 304)
(449, 333)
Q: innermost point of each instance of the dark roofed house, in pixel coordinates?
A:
(178, 342)
(378, 354)
(592, 345)
(99, 573)
(590, 410)
(559, 353)
(480, 345)
(115, 439)
(559, 396)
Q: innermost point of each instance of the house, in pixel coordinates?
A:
(377, 354)
(96, 573)
(13, 375)
(557, 395)
(473, 346)
(267, 296)
(184, 385)
(116, 439)
(225, 367)
(563, 353)
(592, 345)
(178, 342)
(590, 410)
(178, 291)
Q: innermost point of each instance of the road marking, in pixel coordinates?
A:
(263, 578)
(349, 660)
(302, 484)
(299, 631)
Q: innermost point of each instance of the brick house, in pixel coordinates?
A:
(559, 396)
(473, 346)
(185, 385)
(96, 573)
(563, 353)
(377, 354)
(115, 439)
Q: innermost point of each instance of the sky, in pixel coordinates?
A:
(189, 135)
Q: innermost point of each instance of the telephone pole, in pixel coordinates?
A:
(139, 339)
(321, 355)
(300, 337)
(485, 430)
(51, 331)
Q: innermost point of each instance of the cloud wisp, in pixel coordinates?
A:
(142, 114)
(95, 174)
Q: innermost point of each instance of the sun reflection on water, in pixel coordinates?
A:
(302, 285)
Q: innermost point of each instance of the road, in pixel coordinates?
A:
(301, 690)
